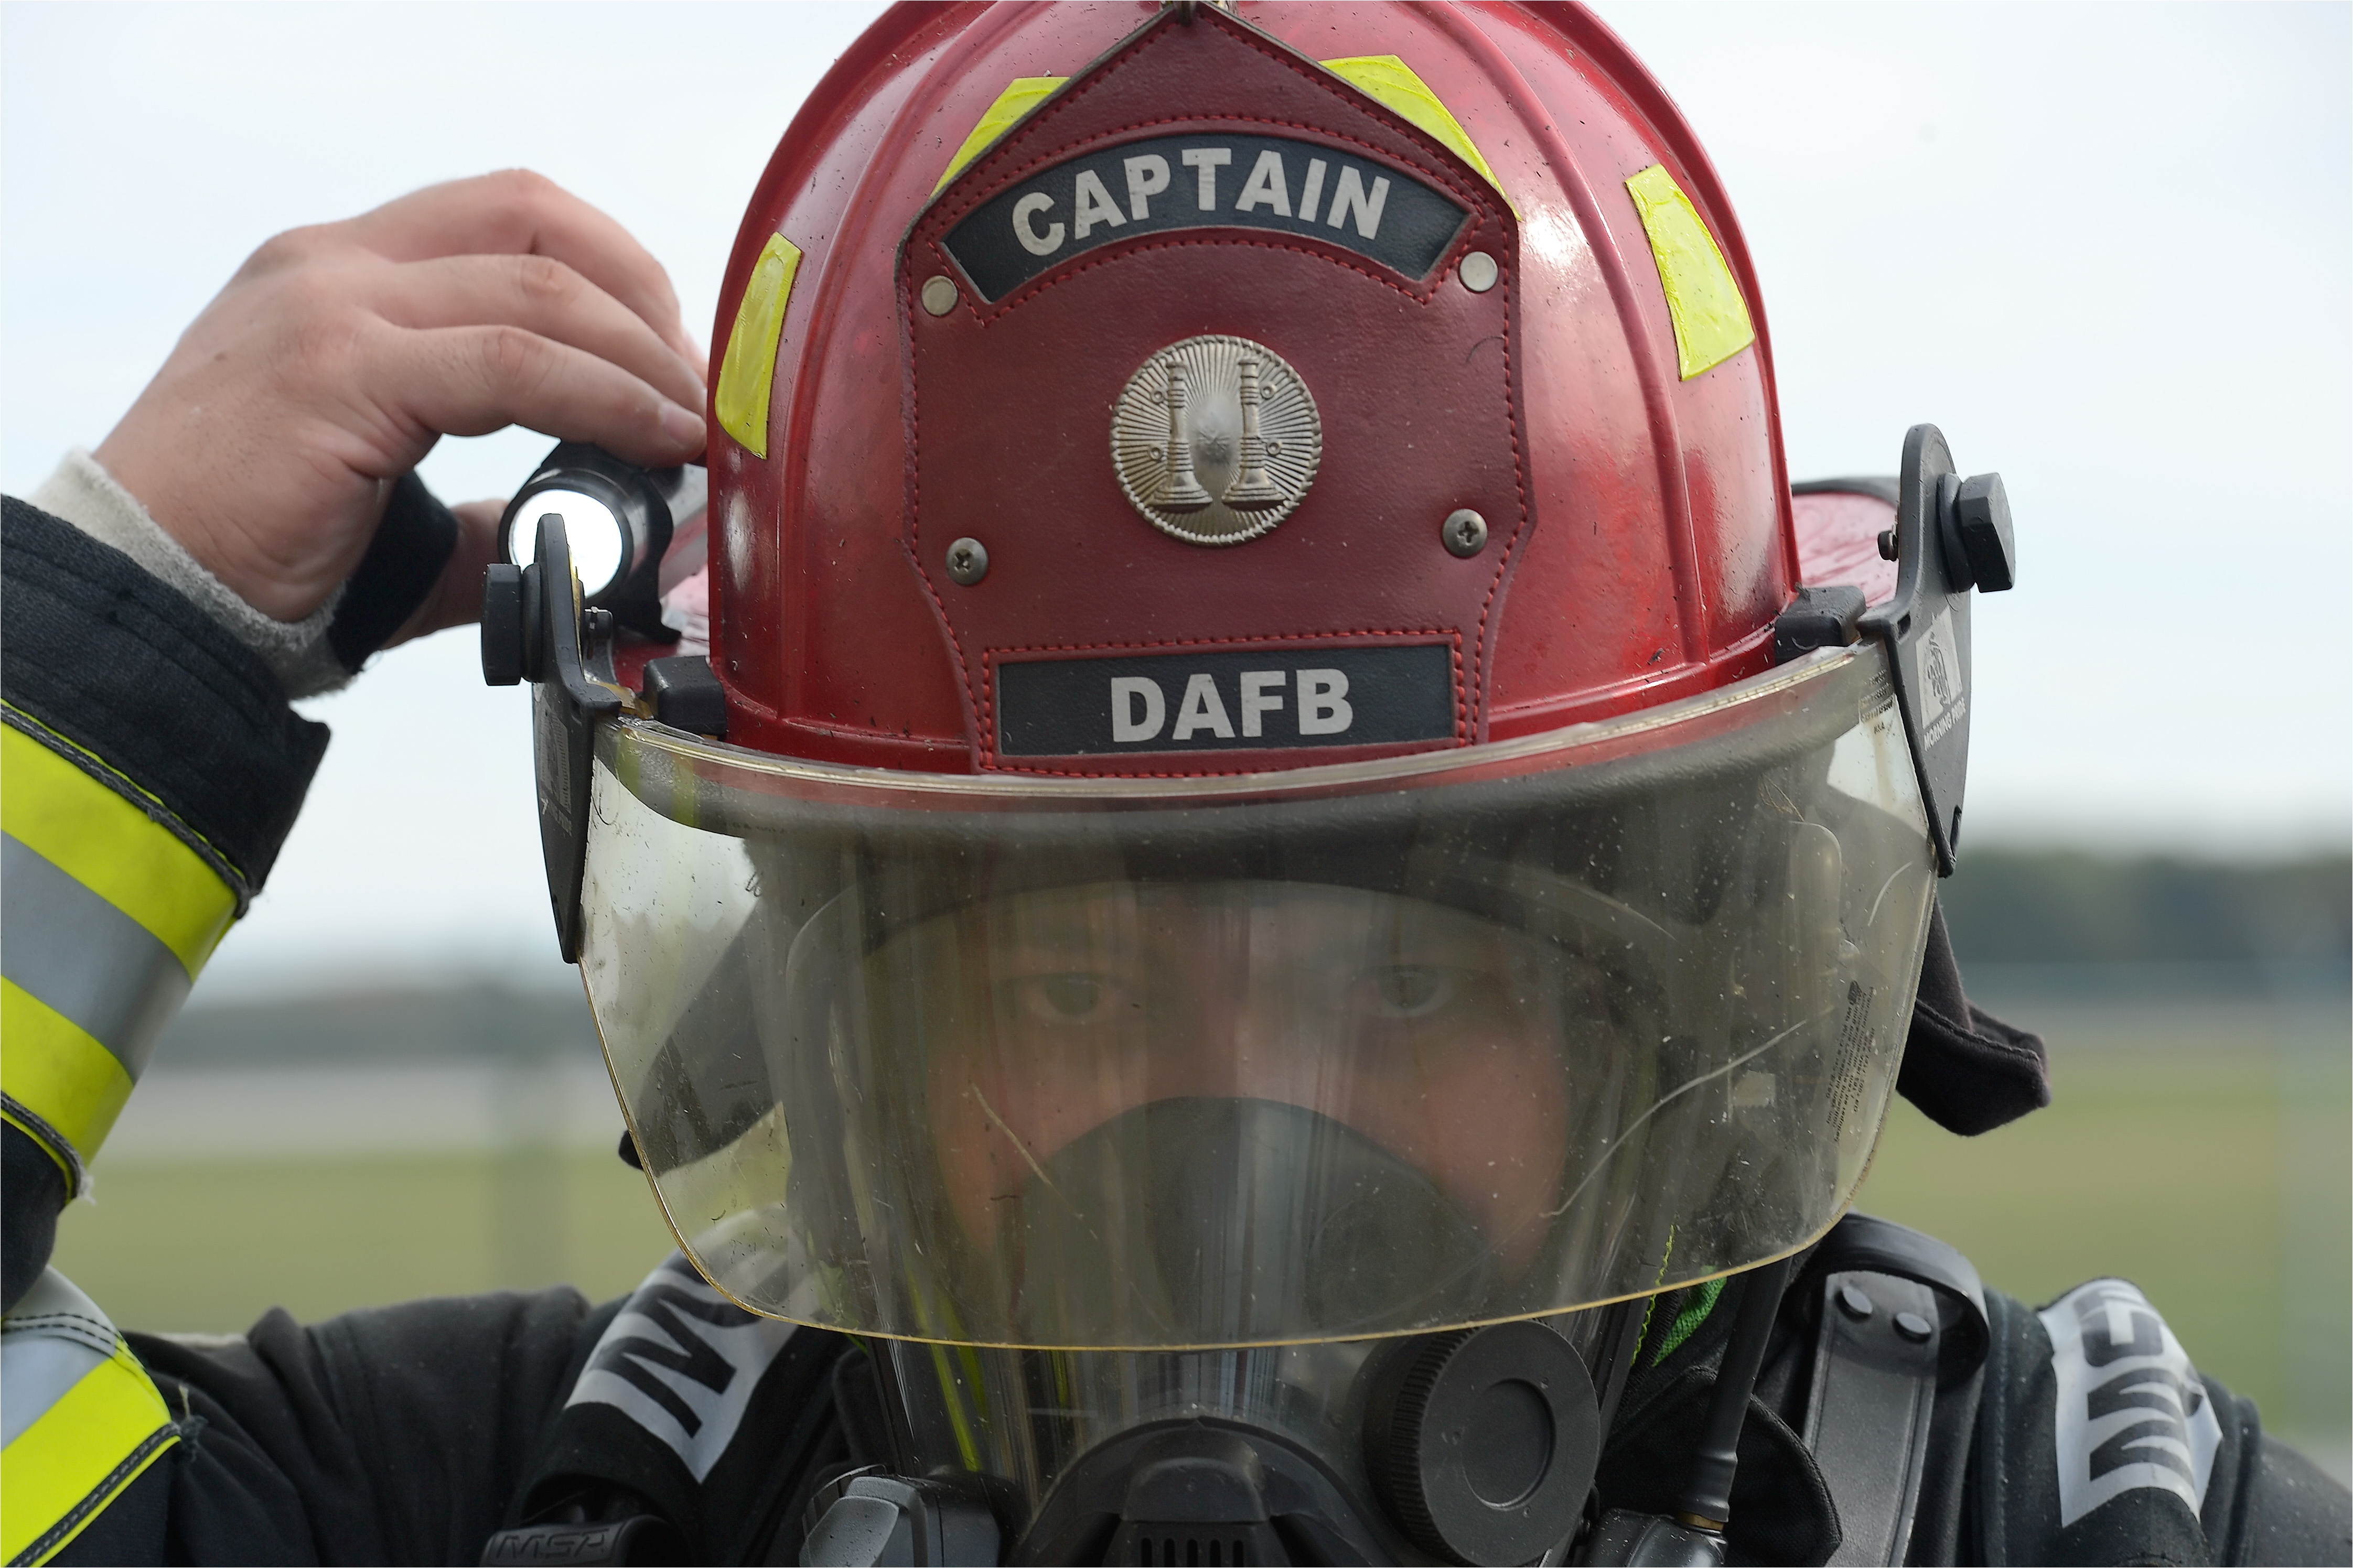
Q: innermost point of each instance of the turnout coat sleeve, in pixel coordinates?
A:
(152, 769)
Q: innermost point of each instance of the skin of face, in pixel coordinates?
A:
(1434, 1034)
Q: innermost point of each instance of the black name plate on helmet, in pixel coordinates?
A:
(1265, 698)
(1376, 210)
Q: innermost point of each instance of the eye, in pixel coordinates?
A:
(1412, 990)
(1062, 998)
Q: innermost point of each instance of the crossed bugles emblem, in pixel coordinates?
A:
(1216, 439)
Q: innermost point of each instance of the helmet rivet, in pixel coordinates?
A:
(1464, 532)
(939, 294)
(968, 561)
(1478, 272)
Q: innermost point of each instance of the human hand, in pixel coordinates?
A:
(339, 354)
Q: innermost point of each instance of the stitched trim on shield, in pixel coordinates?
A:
(1519, 488)
(1482, 199)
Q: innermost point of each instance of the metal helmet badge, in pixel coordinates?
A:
(1216, 439)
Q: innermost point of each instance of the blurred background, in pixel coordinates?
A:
(2107, 248)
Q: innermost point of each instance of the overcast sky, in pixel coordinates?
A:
(2108, 249)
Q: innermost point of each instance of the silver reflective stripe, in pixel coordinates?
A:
(84, 958)
(50, 1341)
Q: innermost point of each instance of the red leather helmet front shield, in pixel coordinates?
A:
(1009, 404)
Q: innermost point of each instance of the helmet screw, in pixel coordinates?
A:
(968, 561)
(939, 294)
(1478, 272)
(1464, 532)
(1887, 545)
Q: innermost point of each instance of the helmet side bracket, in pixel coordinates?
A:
(536, 627)
(1950, 535)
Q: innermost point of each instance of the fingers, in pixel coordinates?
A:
(472, 380)
(542, 295)
(517, 213)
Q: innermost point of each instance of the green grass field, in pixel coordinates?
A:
(2200, 1151)
(208, 1246)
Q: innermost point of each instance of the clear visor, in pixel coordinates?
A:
(1323, 1055)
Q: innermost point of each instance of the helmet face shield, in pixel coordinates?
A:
(1323, 1054)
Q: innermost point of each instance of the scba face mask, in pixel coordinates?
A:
(1263, 842)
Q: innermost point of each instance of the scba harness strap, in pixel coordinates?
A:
(84, 1420)
(1902, 1316)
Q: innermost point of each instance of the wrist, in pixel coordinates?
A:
(214, 544)
(86, 493)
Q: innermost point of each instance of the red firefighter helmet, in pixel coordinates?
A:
(1269, 783)
(1479, 261)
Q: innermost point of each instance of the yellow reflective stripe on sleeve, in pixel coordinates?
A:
(69, 1465)
(1391, 83)
(1026, 93)
(748, 371)
(114, 848)
(1711, 318)
(58, 1072)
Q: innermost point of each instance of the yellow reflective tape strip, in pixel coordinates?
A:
(749, 372)
(1711, 318)
(114, 848)
(64, 1469)
(113, 778)
(57, 1072)
(1026, 94)
(1391, 83)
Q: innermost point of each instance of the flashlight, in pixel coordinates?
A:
(620, 518)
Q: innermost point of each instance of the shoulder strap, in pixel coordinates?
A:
(1867, 1417)
(1897, 1315)
(82, 1419)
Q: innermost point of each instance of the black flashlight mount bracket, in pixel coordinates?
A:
(647, 505)
(1951, 535)
(537, 627)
